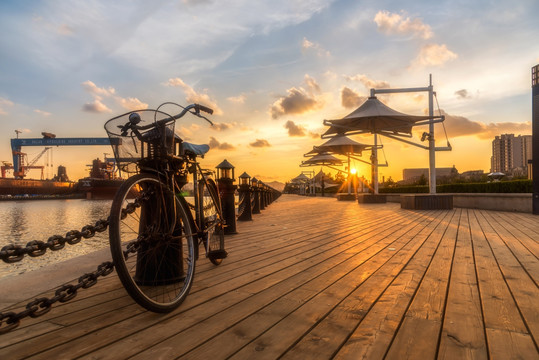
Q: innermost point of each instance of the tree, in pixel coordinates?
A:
(422, 180)
(339, 178)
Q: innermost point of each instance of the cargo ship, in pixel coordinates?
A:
(102, 182)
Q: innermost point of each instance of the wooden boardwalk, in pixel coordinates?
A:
(314, 278)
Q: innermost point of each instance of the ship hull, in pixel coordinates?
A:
(16, 187)
(98, 189)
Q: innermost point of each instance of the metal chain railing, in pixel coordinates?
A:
(15, 253)
(241, 204)
(40, 306)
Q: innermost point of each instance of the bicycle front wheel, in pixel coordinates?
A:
(213, 223)
(152, 243)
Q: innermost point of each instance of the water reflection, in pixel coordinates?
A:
(28, 220)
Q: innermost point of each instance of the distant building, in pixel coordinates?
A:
(410, 176)
(472, 175)
(510, 154)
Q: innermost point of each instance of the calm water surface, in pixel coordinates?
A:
(23, 221)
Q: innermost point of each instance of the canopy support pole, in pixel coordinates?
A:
(375, 165)
(432, 145)
(349, 177)
(432, 148)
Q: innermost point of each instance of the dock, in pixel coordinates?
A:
(317, 278)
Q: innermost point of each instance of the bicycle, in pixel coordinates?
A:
(155, 233)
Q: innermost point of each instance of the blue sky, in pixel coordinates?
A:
(272, 70)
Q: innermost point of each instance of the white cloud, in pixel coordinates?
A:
(368, 82)
(240, 99)
(192, 96)
(434, 55)
(5, 103)
(395, 24)
(96, 107)
(41, 112)
(99, 94)
(307, 46)
(131, 103)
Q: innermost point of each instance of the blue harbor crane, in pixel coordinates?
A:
(47, 140)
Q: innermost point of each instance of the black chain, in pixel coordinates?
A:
(41, 306)
(15, 253)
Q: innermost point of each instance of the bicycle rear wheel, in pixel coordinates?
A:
(152, 243)
(214, 238)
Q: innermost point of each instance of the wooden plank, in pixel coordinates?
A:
(278, 334)
(518, 243)
(463, 336)
(419, 307)
(138, 323)
(524, 290)
(310, 275)
(389, 293)
(220, 321)
(500, 311)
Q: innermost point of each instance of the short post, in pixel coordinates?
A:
(244, 206)
(256, 196)
(225, 180)
(262, 193)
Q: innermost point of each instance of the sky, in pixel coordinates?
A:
(271, 70)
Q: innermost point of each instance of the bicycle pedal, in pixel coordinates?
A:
(218, 254)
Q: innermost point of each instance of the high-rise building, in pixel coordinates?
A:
(510, 154)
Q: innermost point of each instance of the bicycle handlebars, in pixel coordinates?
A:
(134, 119)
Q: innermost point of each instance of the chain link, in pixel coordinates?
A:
(15, 253)
(42, 305)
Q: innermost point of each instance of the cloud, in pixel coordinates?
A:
(368, 82)
(461, 126)
(307, 46)
(96, 107)
(131, 103)
(311, 83)
(240, 99)
(215, 144)
(193, 96)
(298, 100)
(65, 29)
(462, 94)
(95, 90)
(99, 94)
(434, 55)
(395, 24)
(5, 103)
(293, 129)
(41, 112)
(260, 143)
(221, 126)
(351, 99)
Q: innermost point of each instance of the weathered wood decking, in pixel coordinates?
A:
(317, 278)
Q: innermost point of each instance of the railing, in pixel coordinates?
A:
(249, 196)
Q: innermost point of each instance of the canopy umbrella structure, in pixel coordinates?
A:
(343, 145)
(323, 159)
(376, 118)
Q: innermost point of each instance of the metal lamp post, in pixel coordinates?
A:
(225, 180)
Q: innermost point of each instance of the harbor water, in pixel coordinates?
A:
(27, 220)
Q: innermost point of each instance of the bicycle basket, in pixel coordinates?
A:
(153, 143)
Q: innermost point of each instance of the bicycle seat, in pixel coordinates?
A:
(192, 149)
